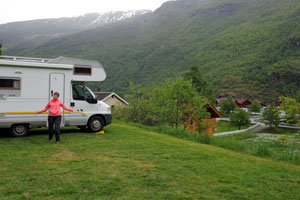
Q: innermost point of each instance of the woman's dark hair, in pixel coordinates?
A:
(56, 93)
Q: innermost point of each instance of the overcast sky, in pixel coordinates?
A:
(20, 10)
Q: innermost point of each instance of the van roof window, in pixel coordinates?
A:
(83, 70)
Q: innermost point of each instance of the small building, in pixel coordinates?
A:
(219, 102)
(242, 103)
(211, 122)
(112, 99)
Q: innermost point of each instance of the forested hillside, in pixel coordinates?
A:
(31, 34)
(244, 48)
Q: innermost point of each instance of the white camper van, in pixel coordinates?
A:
(27, 84)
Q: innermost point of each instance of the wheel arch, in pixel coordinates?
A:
(97, 115)
(20, 123)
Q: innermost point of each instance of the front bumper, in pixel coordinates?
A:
(108, 118)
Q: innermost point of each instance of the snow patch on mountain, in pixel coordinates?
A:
(115, 16)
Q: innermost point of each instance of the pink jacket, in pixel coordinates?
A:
(54, 106)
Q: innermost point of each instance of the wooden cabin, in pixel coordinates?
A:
(210, 122)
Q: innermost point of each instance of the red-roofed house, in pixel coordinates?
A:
(242, 103)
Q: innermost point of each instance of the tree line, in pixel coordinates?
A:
(172, 103)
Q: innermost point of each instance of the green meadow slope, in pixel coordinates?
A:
(244, 48)
(130, 163)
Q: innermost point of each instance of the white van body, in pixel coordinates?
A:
(27, 84)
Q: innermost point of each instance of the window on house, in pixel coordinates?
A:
(10, 83)
(83, 70)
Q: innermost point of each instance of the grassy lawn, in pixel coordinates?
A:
(223, 126)
(128, 162)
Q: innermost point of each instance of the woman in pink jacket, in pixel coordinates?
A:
(54, 116)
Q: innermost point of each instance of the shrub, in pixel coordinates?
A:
(204, 138)
(263, 150)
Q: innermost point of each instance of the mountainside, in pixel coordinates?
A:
(244, 48)
(30, 34)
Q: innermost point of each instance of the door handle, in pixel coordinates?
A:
(51, 93)
(72, 104)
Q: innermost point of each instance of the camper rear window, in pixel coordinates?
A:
(10, 84)
(82, 70)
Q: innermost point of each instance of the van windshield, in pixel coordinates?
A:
(81, 92)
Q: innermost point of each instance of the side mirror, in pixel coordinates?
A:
(91, 100)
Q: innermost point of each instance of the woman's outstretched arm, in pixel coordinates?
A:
(44, 110)
(65, 108)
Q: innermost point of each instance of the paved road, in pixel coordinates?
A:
(238, 131)
(257, 126)
(261, 126)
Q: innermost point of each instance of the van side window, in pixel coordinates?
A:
(78, 92)
(10, 83)
(83, 70)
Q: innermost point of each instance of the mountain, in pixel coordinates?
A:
(30, 34)
(244, 48)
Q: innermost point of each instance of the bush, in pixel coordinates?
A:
(120, 113)
(204, 138)
(263, 150)
(172, 103)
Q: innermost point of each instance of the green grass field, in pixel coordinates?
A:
(224, 126)
(132, 163)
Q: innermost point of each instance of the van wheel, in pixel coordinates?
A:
(95, 124)
(19, 130)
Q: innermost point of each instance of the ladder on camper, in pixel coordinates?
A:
(26, 59)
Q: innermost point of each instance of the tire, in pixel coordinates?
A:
(19, 130)
(95, 124)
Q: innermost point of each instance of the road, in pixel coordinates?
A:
(257, 126)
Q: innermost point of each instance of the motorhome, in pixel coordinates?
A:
(27, 84)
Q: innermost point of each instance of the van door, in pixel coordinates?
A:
(80, 93)
(57, 84)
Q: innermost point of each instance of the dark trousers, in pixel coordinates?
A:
(51, 121)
